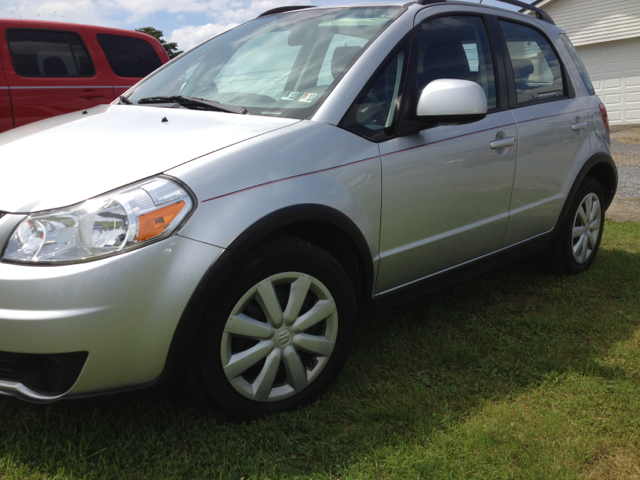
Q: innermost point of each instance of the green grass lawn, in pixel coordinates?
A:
(515, 374)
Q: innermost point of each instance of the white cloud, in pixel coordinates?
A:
(139, 9)
(242, 11)
(121, 12)
(228, 14)
(76, 11)
(167, 15)
(191, 35)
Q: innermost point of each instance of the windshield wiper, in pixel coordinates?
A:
(194, 103)
(124, 100)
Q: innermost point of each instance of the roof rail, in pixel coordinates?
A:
(541, 14)
(289, 8)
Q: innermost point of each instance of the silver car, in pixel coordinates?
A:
(231, 217)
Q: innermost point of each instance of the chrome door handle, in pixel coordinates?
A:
(504, 143)
(579, 126)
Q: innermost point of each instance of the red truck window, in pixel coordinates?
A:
(48, 53)
(129, 56)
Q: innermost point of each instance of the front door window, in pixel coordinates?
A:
(456, 47)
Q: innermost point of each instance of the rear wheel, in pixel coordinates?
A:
(278, 334)
(577, 243)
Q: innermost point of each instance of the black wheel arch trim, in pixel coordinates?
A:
(606, 166)
(305, 212)
(189, 323)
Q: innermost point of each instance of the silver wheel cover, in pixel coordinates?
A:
(586, 228)
(269, 353)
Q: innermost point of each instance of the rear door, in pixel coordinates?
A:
(129, 58)
(6, 116)
(553, 127)
(51, 72)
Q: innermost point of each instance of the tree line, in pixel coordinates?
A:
(170, 47)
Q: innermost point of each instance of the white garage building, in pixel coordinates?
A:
(606, 33)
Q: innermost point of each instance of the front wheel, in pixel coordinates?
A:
(577, 243)
(278, 334)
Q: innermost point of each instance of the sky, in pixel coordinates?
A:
(187, 22)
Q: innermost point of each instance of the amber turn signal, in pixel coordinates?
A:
(154, 223)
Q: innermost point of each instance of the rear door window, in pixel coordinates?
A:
(536, 68)
(48, 53)
(129, 56)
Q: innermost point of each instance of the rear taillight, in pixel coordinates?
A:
(605, 116)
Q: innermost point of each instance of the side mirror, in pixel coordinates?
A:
(448, 100)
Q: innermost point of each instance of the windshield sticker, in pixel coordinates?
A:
(289, 95)
(308, 97)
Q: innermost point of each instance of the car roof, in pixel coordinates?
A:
(403, 3)
(51, 25)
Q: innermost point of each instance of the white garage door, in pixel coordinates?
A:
(614, 68)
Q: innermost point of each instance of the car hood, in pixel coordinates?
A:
(67, 159)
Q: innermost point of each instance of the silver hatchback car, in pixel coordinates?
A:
(230, 217)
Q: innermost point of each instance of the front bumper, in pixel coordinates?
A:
(122, 310)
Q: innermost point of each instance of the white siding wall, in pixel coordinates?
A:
(595, 21)
(614, 68)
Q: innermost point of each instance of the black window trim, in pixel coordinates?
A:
(569, 90)
(67, 32)
(385, 134)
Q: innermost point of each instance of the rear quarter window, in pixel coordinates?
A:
(129, 56)
(48, 53)
(578, 63)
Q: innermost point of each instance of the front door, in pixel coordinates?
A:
(446, 189)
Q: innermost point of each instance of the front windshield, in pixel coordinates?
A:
(281, 65)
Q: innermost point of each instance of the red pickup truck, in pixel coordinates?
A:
(50, 68)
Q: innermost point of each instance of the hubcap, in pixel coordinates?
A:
(279, 336)
(586, 228)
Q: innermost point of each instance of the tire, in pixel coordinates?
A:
(277, 335)
(575, 247)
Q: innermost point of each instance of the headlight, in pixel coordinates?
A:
(116, 222)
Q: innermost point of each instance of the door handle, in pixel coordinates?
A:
(579, 126)
(504, 143)
(90, 94)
